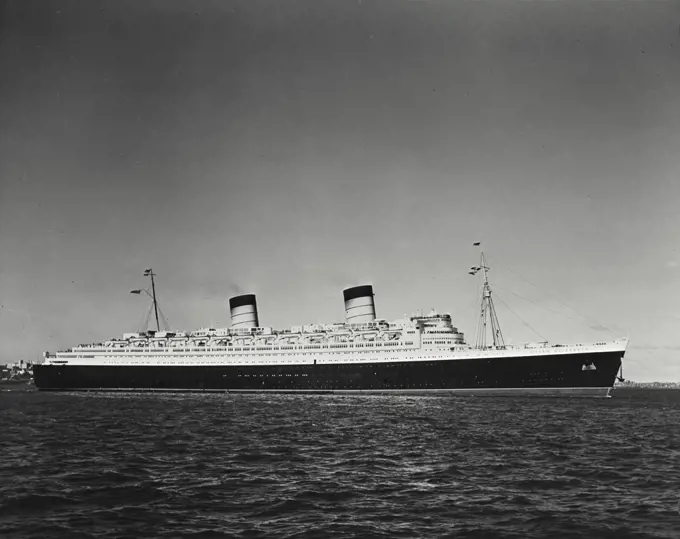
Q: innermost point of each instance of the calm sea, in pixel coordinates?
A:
(145, 466)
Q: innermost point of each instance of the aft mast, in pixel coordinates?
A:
(149, 273)
(487, 309)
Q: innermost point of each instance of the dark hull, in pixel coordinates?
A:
(532, 375)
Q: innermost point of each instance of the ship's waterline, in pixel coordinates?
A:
(575, 392)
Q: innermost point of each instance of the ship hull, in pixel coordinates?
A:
(535, 375)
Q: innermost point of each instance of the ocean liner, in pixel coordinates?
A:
(420, 354)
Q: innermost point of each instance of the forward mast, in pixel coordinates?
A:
(487, 311)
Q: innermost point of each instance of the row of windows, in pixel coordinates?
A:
(260, 363)
(269, 348)
(163, 360)
(265, 375)
(248, 359)
(250, 348)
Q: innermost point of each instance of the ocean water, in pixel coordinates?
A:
(210, 465)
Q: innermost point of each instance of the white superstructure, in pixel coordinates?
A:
(417, 338)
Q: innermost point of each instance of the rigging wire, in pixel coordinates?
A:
(475, 303)
(140, 322)
(145, 326)
(520, 318)
(165, 320)
(528, 300)
(600, 325)
(479, 338)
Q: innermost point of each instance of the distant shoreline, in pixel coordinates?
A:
(648, 385)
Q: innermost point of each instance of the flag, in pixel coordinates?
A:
(135, 291)
(147, 272)
(477, 243)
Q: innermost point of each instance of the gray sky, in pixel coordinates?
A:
(291, 149)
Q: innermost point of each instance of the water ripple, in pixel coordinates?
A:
(287, 466)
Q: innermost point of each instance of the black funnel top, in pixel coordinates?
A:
(358, 292)
(240, 301)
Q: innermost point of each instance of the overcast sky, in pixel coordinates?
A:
(291, 149)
